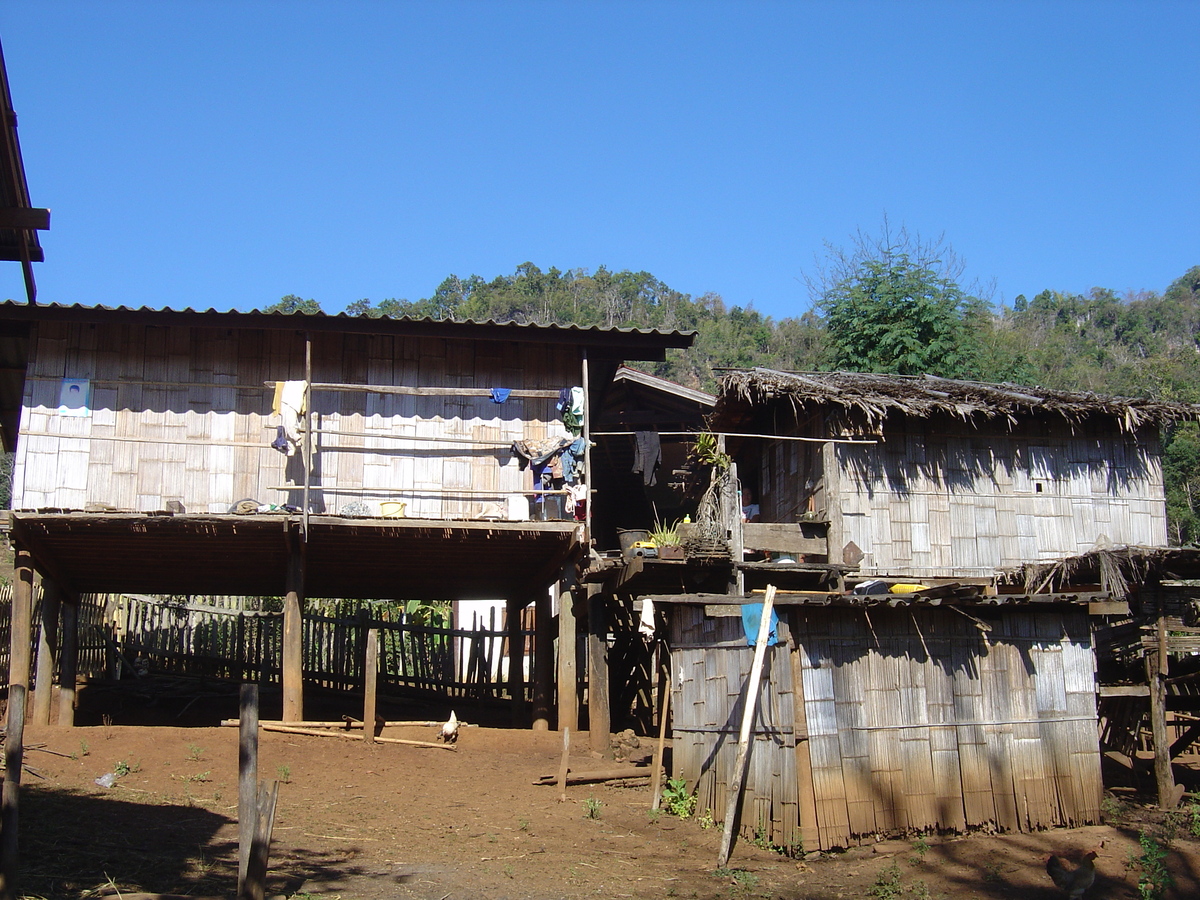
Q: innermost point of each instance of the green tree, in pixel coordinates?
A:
(893, 304)
(293, 304)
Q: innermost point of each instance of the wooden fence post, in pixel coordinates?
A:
(247, 777)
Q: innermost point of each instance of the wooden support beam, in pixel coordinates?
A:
(543, 661)
(14, 761)
(516, 662)
(370, 683)
(293, 637)
(568, 701)
(21, 619)
(68, 661)
(47, 656)
(28, 218)
(599, 714)
(1156, 664)
(247, 778)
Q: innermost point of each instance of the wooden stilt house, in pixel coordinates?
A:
(154, 454)
(952, 702)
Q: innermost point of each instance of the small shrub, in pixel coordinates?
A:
(284, 773)
(887, 886)
(592, 807)
(194, 752)
(1155, 880)
(677, 799)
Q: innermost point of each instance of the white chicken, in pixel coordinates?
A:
(450, 729)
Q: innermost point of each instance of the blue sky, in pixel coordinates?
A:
(219, 154)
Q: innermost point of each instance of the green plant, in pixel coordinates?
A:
(1156, 879)
(706, 820)
(592, 805)
(200, 776)
(194, 752)
(677, 799)
(1111, 808)
(920, 846)
(991, 873)
(122, 768)
(746, 881)
(284, 773)
(887, 886)
(84, 749)
(653, 815)
(666, 535)
(707, 453)
(523, 824)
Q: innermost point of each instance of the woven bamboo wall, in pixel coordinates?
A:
(918, 721)
(914, 721)
(181, 414)
(941, 502)
(710, 663)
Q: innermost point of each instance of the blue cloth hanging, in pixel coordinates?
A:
(499, 395)
(751, 617)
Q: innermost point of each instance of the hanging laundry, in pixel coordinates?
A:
(538, 451)
(570, 404)
(499, 395)
(646, 620)
(288, 404)
(573, 461)
(647, 456)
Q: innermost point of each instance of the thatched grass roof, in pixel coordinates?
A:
(874, 397)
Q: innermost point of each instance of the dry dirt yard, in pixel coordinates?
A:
(395, 821)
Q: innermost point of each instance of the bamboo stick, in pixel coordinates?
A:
(291, 729)
(743, 754)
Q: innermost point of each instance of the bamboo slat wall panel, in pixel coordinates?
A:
(182, 414)
(934, 503)
(708, 685)
(92, 630)
(916, 722)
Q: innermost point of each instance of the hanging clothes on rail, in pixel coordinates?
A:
(288, 404)
(647, 456)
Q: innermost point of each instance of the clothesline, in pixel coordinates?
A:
(769, 437)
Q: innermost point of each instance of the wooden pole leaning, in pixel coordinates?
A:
(370, 684)
(744, 738)
(20, 638)
(568, 702)
(1157, 670)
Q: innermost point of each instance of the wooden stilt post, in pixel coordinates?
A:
(68, 661)
(745, 741)
(599, 715)
(43, 683)
(20, 638)
(14, 760)
(516, 662)
(293, 632)
(543, 662)
(1168, 794)
(568, 701)
(370, 684)
(664, 707)
(247, 777)
(21, 627)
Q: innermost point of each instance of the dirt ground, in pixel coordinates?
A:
(395, 821)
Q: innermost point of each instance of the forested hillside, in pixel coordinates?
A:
(893, 306)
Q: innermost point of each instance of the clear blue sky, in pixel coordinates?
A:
(223, 154)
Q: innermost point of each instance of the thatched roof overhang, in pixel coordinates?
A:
(1116, 569)
(870, 399)
(248, 555)
(609, 343)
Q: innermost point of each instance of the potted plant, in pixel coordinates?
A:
(666, 539)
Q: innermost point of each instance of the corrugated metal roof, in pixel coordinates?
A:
(341, 322)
